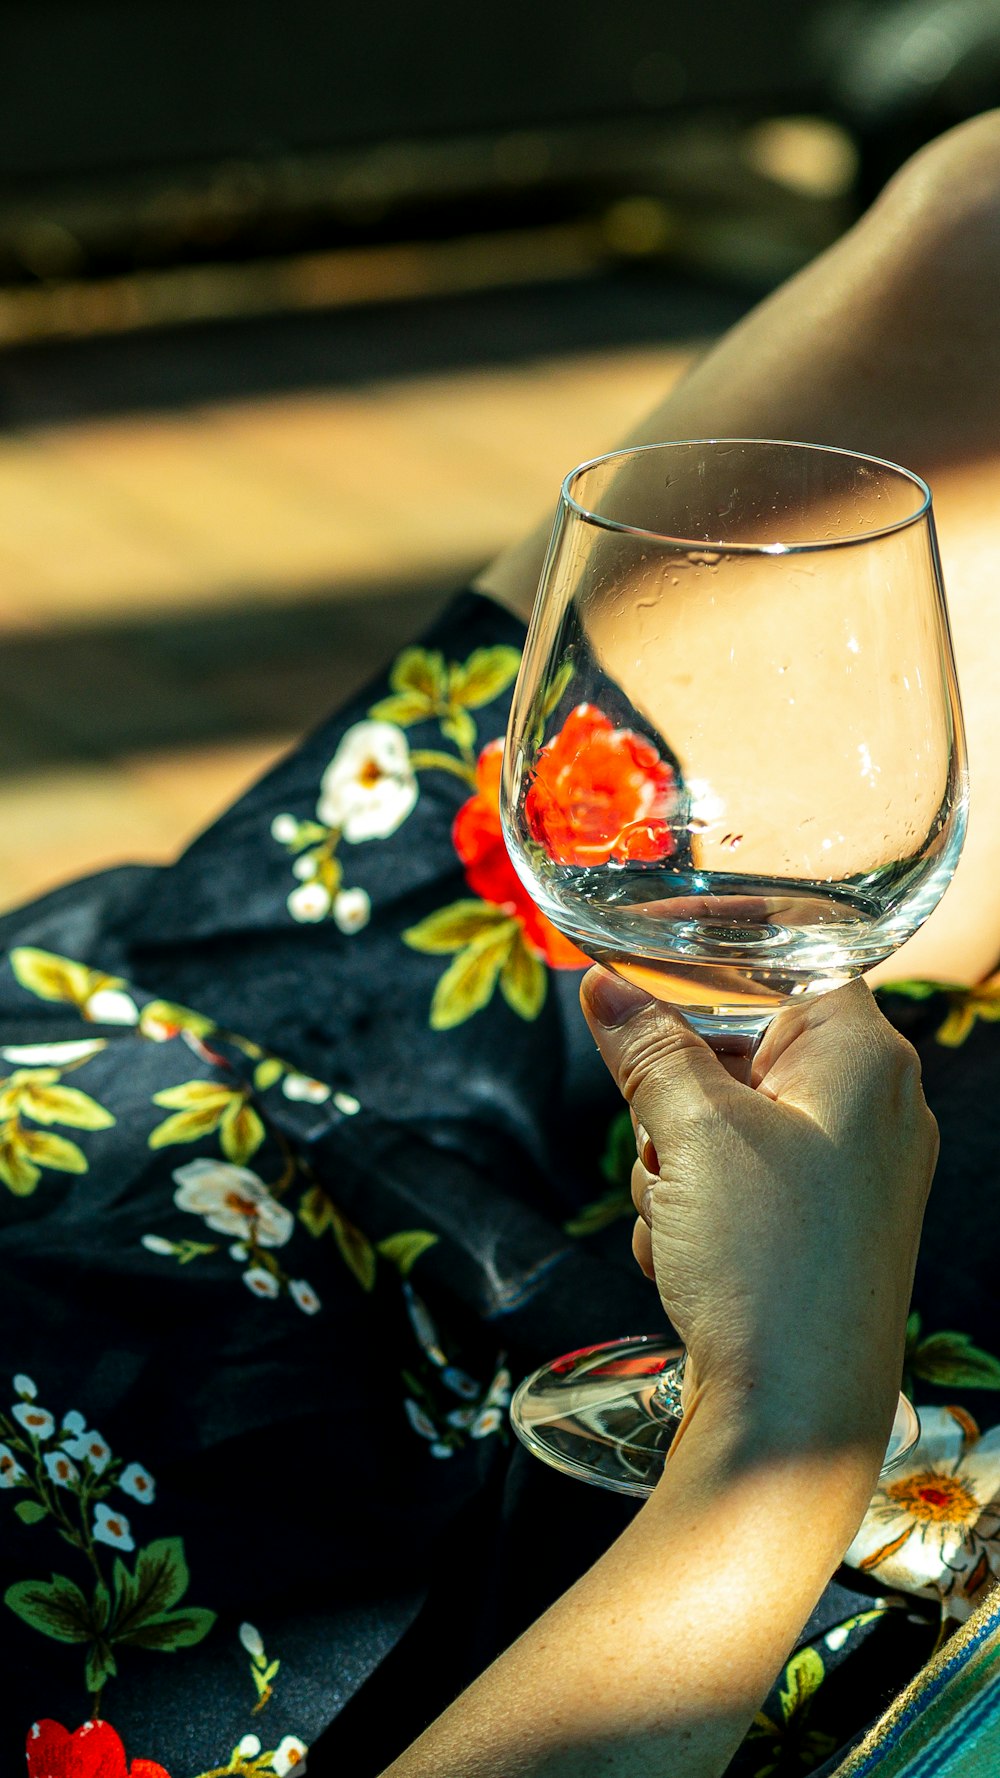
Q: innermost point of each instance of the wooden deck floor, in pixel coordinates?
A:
(183, 593)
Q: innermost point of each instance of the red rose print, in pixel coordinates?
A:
(489, 873)
(92, 1751)
(601, 792)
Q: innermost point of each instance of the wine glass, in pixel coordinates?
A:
(735, 775)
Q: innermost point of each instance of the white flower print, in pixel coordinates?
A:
(498, 1393)
(347, 1103)
(10, 1470)
(62, 1470)
(304, 1295)
(461, 1418)
(138, 1482)
(260, 1282)
(421, 1422)
(112, 1527)
(249, 1747)
(252, 1639)
(460, 1383)
(239, 1251)
(110, 1006)
(37, 1421)
(309, 902)
(233, 1201)
(288, 1756)
(933, 1526)
(284, 829)
(72, 1423)
(25, 1387)
(423, 1326)
(89, 1446)
(439, 1449)
(78, 1049)
(304, 867)
(301, 1087)
(157, 1244)
(369, 787)
(352, 909)
(490, 1420)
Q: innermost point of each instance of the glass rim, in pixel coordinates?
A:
(775, 548)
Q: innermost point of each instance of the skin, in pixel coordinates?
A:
(784, 1429)
(886, 344)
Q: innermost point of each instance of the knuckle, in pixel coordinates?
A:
(650, 1053)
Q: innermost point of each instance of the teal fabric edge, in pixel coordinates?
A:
(961, 1668)
(976, 1757)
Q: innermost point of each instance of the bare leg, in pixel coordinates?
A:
(888, 343)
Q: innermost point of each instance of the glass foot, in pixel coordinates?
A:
(603, 1414)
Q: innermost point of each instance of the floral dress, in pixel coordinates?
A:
(305, 1157)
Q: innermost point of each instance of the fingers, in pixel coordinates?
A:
(835, 1056)
(663, 1068)
(642, 1247)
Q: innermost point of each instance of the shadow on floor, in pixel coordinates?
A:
(101, 691)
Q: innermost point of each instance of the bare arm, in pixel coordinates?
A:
(887, 343)
(658, 1658)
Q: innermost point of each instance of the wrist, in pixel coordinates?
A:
(824, 1455)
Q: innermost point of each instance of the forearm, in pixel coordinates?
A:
(658, 1658)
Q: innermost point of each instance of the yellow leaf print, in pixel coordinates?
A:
(241, 1132)
(316, 1211)
(319, 1213)
(186, 1126)
(966, 1005)
(58, 978)
(486, 673)
(355, 1248)
(201, 1106)
(45, 1149)
(195, 1095)
(16, 1171)
(53, 1104)
(404, 1249)
(161, 1019)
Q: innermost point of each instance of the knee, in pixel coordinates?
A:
(953, 180)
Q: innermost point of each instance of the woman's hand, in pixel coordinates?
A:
(782, 1227)
(781, 1224)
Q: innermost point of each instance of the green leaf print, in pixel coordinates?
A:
(56, 1607)
(618, 1158)
(161, 1578)
(949, 1359)
(600, 1213)
(171, 1630)
(30, 1512)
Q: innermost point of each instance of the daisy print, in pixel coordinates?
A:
(933, 1526)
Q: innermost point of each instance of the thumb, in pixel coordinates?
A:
(663, 1068)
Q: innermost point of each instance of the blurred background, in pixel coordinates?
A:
(305, 310)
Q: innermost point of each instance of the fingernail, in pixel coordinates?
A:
(611, 1000)
(646, 1207)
